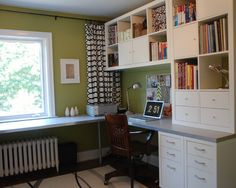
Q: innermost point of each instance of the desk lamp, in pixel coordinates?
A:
(134, 86)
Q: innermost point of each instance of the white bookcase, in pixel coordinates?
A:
(138, 39)
(202, 60)
(201, 97)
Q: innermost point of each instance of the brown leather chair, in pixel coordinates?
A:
(121, 144)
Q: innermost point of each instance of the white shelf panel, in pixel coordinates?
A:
(137, 65)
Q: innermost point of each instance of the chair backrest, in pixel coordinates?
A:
(118, 134)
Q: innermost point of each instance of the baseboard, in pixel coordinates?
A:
(94, 154)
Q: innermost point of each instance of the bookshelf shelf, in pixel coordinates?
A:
(222, 53)
(160, 33)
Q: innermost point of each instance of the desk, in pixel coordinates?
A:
(165, 125)
(30, 125)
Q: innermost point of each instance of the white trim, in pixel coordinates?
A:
(47, 68)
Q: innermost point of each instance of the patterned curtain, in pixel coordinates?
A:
(103, 87)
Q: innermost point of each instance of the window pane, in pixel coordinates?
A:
(20, 78)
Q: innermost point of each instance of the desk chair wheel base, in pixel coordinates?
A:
(106, 182)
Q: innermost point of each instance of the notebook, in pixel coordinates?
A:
(152, 111)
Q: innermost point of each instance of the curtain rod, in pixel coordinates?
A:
(51, 15)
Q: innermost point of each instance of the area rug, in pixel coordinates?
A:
(92, 178)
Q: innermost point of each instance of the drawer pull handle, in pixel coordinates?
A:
(171, 154)
(199, 149)
(186, 98)
(200, 163)
(171, 167)
(186, 114)
(200, 178)
(170, 142)
(213, 100)
(213, 117)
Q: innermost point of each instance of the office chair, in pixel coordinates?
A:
(122, 146)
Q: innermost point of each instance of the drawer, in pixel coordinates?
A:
(202, 150)
(214, 99)
(170, 154)
(170, 142)
(217, 117)
(187, 98)
(190, 114)
(201, 163)
(171, 174)
(199, 179)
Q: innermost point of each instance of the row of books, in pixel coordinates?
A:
(184, 13)
(113, 59)
(186, 75)
(112, 34)
(213, 36)
(159, 18)
(124, 35)
(158, 50)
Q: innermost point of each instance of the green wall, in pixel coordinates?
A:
(137, 98)
(69, 42)
(68, 38)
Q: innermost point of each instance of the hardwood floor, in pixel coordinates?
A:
(145, 174)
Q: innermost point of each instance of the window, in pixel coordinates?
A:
(26, 75)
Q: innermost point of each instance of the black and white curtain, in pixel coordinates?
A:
(103, 87)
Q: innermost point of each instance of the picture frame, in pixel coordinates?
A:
(70, 72)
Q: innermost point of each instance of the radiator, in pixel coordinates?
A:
(27, 156)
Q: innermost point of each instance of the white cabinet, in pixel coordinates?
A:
(134, 51)
(194, 163)
(125, 53)
(140, 50)
(186, 41)
(171, 161)
(209, 8)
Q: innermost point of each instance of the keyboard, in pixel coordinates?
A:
(140, 118)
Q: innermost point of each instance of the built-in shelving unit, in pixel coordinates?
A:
(142, 38)
(197, 39)
(205, 39)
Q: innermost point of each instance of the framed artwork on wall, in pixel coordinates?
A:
(70, 71)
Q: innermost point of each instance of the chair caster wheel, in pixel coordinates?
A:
(105, 182)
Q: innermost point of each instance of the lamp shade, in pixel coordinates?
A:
(135, 85)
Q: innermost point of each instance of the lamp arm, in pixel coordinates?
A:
(127, 98)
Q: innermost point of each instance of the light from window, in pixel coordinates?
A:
(26, 80)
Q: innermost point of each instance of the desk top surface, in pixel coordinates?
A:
(28, 125)
(163, 125)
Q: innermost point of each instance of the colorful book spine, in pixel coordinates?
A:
(213, 36)
(184, 13)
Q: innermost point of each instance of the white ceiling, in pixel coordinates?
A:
(106, 8)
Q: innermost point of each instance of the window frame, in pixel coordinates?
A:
(47, 77)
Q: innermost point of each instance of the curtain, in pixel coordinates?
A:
(103, 87)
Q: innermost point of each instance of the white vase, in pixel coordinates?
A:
(72, 112)
(76, 111)
(67, 112)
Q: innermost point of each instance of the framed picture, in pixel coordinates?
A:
(70, 71)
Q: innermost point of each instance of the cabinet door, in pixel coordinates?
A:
(125, 53)
(186, 41)
(140, 50)
(209, 8)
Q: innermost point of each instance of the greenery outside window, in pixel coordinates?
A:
(26, 75)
